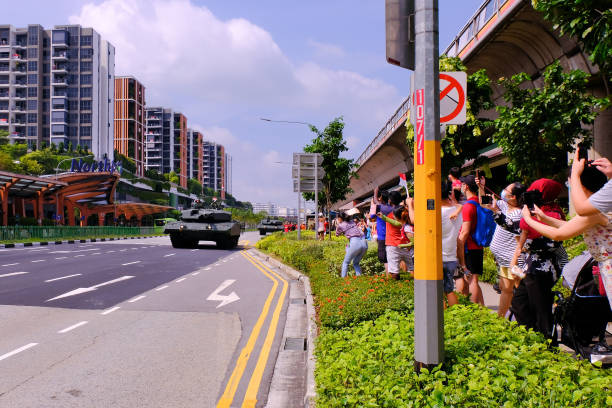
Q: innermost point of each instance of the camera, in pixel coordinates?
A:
(486, 199)
(583, 151)
(532, 198)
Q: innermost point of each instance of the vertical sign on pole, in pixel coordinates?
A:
(428, 310)
(299, 214)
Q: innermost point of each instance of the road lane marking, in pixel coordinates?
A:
(225, 299)
(61, 257)
(250, 396)
(131, 263)
(12, 274)
(133, 249)
(78, 291)
(111, 310)
(74, 326)
(207, 269)
(165, 256)
(193, 250)
(78, 256)
(38, 260)
(13, 264)
(217, 264)
(96, 253)
(16, 351)
(180, 280)
(232, 385)
(63, 277)
(195, 274)
(109, 252)
(136, 299)
(162, 288)
(123, 250)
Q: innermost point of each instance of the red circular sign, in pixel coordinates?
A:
(453, 83)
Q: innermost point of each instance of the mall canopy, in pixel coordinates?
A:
(24, 186)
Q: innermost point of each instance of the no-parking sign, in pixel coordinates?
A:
(453, 87)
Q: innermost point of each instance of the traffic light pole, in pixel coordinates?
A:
(428, 308)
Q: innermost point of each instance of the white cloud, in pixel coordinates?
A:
(324, 50)
(219, 72)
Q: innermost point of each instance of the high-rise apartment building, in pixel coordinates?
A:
(56, 86)
(216, 168)
(166, 142)
(129, 120)
(195, 154)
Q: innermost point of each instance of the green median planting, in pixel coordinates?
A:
(365, 349)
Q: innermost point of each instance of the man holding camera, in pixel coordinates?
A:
(469, 254)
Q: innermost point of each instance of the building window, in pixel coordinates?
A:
(45, 106)
(73, 105)
(59, 37)
(59, 103)
(85, 130)
(86, 65)
(86, 105)
(32, 104)
(32, 79)
(46, 93)
(46, 68)
(73, 92)
(32, 118)
(85, 117)
(86, 40)
(73, 66)
(32, 66)
(58, 117)
(72, 130)
(32, 53)
(73, 118)
(58, 129)
(46, 80)
(86, 53)
(32, 131)
(32, 92)
(33, 37)
(86, 92)
(86, 79)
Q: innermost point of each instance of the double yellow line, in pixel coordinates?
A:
(250, 397)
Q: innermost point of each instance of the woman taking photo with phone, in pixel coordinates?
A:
(357, 246)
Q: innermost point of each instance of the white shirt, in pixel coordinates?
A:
(450, 232)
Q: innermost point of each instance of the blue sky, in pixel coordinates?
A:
(225, 64)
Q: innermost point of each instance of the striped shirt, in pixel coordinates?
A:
(504, 242)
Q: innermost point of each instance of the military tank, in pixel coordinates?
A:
(269, 225)
(204, 224)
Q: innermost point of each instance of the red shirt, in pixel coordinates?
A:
(393, 236)
(469, 213)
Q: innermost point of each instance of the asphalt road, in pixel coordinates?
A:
(137, 323)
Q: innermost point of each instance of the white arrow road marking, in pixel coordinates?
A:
(78, 291)
(19, 350)
(63, 277)
(12, 274)
(225, 299)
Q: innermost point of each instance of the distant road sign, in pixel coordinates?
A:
(307, 186)
(307, 159)
(307, 172)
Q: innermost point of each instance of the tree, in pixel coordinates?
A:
(589, 21)
(60, 147)
(194, 187)
(541, 125)
(4, 140)
(462, 142)
(338, 170)
(173, 177)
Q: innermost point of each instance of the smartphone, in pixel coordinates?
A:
(486, 199)
(477, 175)
(583, 152)
(532, 198)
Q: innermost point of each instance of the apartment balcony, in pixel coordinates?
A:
(60, 82)
(59, 56)
(17, 135)
(5, 68)
(20, 84)
(18, 108)
(4, 108)
(17, 57)
(59, 69)
(4, 95)
(18, 97)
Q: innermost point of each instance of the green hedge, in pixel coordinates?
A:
(489, 362)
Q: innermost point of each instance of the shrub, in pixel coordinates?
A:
(489, 362)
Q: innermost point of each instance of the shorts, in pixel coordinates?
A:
(504, 272)
(382, 251)
(395, 255)
(448, 271)
(473, 261)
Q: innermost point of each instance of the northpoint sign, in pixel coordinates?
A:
(97, 166)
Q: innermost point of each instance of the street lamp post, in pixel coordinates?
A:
(312, 127)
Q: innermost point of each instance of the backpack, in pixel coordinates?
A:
(485, 225)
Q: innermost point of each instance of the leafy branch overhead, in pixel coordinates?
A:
(545, 122)
(338, 170)
(462, 142)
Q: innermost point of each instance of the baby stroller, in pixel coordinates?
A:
(585, 314)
